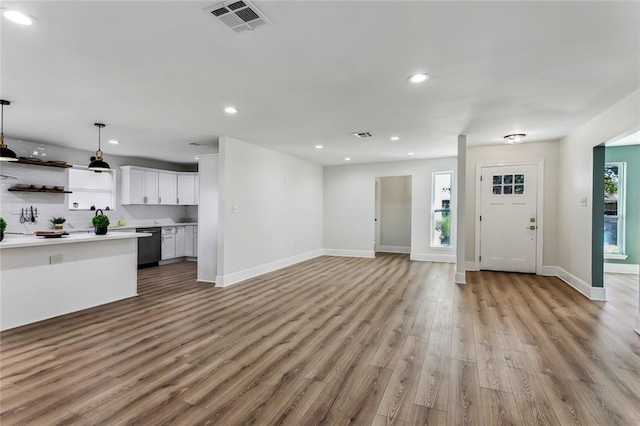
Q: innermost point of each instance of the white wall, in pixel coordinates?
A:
(547, 151)
(209, 229)
(270, 210)
(349, 206)
(50, 205)
(395, 213)
(575, 182)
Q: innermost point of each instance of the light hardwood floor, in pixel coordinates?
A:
(330, 341)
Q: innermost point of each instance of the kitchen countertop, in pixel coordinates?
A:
(32, 240)
(129, 227)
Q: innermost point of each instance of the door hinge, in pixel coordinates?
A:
(480, 258)
(480, 178)
(480, 218)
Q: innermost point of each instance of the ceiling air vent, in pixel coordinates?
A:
(362, 134)
(239, 15)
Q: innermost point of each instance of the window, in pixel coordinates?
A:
(91, 189)
(441, 210)
(614, 207)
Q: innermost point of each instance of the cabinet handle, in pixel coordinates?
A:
(145, 199)
(177, 200)
(159, 200)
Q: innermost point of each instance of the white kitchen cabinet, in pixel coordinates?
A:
(197, 189)
(168, 243)
(167, 188)
(189, 241)
(181, 241)
(186, 189)
(195, 241)
(138, 186)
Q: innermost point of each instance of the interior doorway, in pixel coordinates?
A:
(509, 217)
(616, 221)
(393, 214)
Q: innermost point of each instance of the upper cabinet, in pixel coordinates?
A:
(139, 185)
(187, 188)
(167, 188)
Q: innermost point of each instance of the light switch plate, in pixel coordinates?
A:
(55, 259)
(234, 209)
(583, 202)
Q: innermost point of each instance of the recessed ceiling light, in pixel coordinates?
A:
(409, 153)
(347, 158)
(113, 141)
(515, 138)
(197, 158)
(395, 138)
(230, 110)
(18, 17)
(319, 147)
(418, 78)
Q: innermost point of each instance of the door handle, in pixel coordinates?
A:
(532, 227)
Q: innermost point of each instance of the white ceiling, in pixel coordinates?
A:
(160, 73)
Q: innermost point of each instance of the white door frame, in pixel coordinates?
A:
(378, 209)
(539, 207)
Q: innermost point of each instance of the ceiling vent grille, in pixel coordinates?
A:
(362, 134)
(239, 15)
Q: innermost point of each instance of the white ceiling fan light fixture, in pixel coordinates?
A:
(515, 138)
(17, 17)
(231, 110)
(418, 78)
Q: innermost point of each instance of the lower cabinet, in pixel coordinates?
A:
(168, 244)
(179, 241)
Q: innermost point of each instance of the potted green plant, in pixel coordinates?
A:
(3, 226)
(445, 229)
(58, 222)
(100, 223)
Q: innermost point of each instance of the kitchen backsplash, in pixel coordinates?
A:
(49, 205)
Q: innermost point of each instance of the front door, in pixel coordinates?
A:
(508, 218)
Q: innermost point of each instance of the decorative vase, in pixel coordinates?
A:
(101, 231)
(58, 226)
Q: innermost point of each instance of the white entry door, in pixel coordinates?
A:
(508, 218)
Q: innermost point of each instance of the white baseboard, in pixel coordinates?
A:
(205, 281)
(470, 266)
(621, 268)
(394, 249)
(349, 253)
(550, 271)
(461, 278)
(592, 293)
(236, 277)
(433, 257)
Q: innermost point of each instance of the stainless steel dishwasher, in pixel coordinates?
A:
(149, 248)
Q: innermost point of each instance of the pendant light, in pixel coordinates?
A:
(6, 154)
(99, 165)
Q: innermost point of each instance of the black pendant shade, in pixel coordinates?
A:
(5, 153)
(98, 164)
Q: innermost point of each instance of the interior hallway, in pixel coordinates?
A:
(331, 341)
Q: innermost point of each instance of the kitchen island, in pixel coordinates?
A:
(43, 278)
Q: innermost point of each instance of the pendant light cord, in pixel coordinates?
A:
(1, 119)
